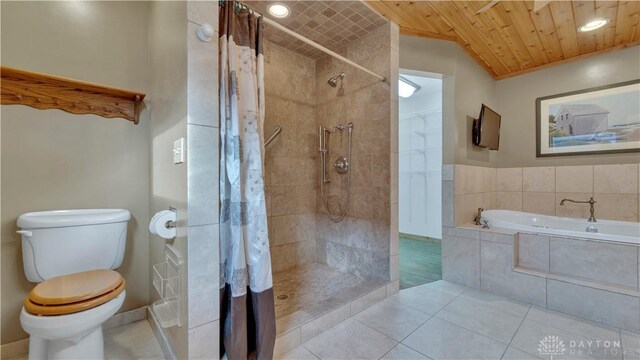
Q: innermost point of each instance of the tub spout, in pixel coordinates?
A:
(591, 203)
(478, 217)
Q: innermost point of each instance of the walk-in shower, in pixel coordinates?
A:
(342, 165)
(329, 241)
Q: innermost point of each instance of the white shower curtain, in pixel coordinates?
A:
(247, 305)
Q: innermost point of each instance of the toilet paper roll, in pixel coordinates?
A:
(157, 225)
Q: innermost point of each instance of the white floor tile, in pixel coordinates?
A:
(299, 353)
(572, 324)
(515, 354)
(392, 319)
(350, 340)
(402, 352)
(496, 324)
(630, 345)
(439, 339)
(496, 302)
(132, 341)
(443, 285)
(427, 298)
(531, 334)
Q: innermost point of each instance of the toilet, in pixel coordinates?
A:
(71, 255)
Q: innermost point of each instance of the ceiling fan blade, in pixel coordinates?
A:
(488, 6)
(539, 4)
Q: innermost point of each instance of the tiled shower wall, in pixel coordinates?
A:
(360, 244)
(616, 189)
(290, 160)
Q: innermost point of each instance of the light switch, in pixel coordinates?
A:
(178, 151)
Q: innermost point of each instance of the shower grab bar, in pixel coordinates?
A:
(273, 136)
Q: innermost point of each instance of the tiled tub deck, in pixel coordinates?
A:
(592, 279)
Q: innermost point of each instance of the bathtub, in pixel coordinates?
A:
(617, 231)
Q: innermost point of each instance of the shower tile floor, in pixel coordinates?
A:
(307, 291)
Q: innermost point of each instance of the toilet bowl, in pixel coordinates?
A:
(64, 314)
(71, 255)
(72, 336)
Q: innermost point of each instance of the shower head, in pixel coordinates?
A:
(333, 82)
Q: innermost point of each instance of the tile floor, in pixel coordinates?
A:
(420, 261)
(439, 320)
(442, 320)
(132, 341)
(312, 290)
(128, 342)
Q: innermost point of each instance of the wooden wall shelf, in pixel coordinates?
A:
(41, 91)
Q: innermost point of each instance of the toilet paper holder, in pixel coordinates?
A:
(171, 224)
(164, 223)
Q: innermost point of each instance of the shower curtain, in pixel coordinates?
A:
(247, 325)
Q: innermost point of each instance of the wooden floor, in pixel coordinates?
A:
(420, 261)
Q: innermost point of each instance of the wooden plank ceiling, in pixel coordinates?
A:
(511, 38)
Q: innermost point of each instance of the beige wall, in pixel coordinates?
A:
(55, 160)
(517, 100)
(466, 86)
(168, 113)
(291, 159)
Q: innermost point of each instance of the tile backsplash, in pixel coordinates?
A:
(474, 187)
(616, 189)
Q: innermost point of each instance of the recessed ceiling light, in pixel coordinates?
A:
(593, 24)
(279, 10)
(406, 87)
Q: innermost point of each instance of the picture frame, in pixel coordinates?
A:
(598, 120)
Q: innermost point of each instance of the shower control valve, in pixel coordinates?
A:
(342, 165)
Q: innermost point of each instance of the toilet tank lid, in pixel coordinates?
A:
(65, 218)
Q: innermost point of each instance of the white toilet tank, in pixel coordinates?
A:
(63, 242)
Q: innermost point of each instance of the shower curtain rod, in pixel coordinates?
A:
(312, 43)
(321, 48)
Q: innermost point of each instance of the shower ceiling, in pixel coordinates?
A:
(332, 24)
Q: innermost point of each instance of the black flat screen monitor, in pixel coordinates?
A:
(486, 129)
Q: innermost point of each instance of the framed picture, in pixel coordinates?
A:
(599, 120)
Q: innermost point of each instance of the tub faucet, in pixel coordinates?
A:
(591, 203)
(478, 217)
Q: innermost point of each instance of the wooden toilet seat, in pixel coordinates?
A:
(74, 293)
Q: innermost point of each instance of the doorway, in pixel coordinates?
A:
(420, 178)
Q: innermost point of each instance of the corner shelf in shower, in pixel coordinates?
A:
(42, 91)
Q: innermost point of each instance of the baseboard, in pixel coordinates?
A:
(421, 238)
(165, 345)
(125, 317)
(20, 348)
